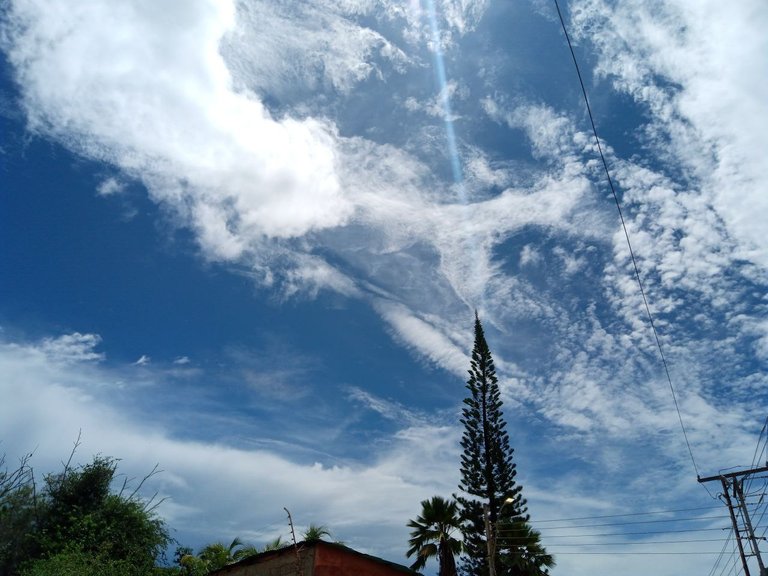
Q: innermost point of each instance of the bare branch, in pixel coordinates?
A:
(153, 472)
(150, 509)
(71, 455)
(12, 481)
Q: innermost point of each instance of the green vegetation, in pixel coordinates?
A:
(488, 491)
(315, 532)
(76, 524)
(212, 557)
(490, 510)
(431, 536)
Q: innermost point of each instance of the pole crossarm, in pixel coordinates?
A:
(731, 480)
(733, 474)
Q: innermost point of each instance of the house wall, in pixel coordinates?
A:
(334, 562)
(279, 565)
(316, 559)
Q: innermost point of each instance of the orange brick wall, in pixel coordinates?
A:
(331, 562)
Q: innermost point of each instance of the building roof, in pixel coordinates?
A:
(306, 547)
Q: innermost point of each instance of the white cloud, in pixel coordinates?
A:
(480, 170)
(75, 347)
(698, 69)
(438, 106)
(216, 491)
(223, 112)
(110, 187)
(282, 48)
(168, 115)
(454, 18)
(263, 191)
(420, 335)
(529, 256)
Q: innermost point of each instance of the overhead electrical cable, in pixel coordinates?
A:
(756, 458)
(723, 562)
(629, 514)
(644, 533)
(650, 542)
(503, 529)
(629, 243)
(614, 553)
(722, 554)
(729, 568)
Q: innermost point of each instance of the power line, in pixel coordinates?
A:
(731, 562)
(644, 533)
(666, 520)
(654, 542)
(755, 457)
(762, 431)
(628, 514)
(722, 553)
(629, 243)
(613, 553)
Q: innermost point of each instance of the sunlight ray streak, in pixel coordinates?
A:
(473, 248)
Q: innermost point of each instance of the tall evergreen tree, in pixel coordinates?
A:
(487, 485)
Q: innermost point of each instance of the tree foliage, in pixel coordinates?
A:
(217, 555)
(522, 551)
(432, 535)
(76, 524)
(17, 513)
(315, 532)
(488, 486)
(275, 544)
(77, 563)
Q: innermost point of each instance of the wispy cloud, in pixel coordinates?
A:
(238, 120)
(681, 64)
(110, 187)
(75, 347)
(55, 398)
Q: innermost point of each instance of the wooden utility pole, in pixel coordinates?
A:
(735, 480)
(296, 546)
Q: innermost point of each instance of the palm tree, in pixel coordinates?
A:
(275, 544)
(215, 556)
(245, 551)
(315, 532)
(521, 550)
(218, 555)
(431, 535)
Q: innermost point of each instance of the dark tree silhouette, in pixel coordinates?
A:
(488, 486)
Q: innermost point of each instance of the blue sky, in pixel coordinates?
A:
(246, 241)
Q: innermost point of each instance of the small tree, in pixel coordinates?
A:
(315, 532)
(213, 556)
(17, 514)
(80, 512)
(523, 554)
(275, 544)
(77, 523)
(432, 535)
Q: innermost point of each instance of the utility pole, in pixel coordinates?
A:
(737, 488)
(732, 479)
(490, 540)
(295, 545)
